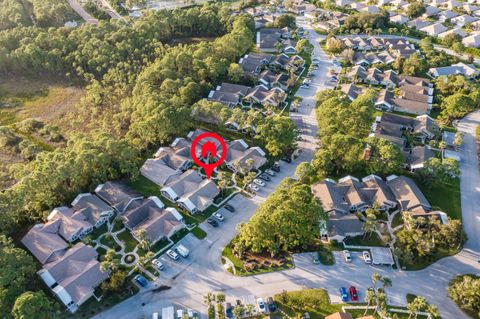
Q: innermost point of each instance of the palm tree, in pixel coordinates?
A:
(376, 277)
(386, 282)
(208, 299)
(370, 298)
(220, 297)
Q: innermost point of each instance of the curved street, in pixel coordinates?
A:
(203, 272)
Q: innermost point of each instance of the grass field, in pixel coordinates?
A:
(445, 197)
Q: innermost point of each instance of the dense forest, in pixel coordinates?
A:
(140, 86)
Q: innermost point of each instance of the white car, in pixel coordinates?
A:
(158, 264)
(261, 305)
(254, 187)
(259, 182)
(305, 86)
(347, 256)
(219, 216)
(270, 172)
(366, 257)
(172, 254)
(180, 314)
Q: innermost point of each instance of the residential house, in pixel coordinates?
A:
(399, 19)
(93, 208)
(265, 96)
(339, 315)
(370, 9)
(117, 195)
(467, 70)
(150, 216)
(378, 192)
(242, 158)
(434, 29)
(418, 23)
(351, 90)
(356, 74)
(229, 94)
(271, 80)
(472, 41)
(417, 157)
(289, 46)
(407, 193)
(458, 31)
(342, 225)
(446, 15)
(431, 11)
(289, 63)
(74, 276)
(391, 128)
(464, 19)
(69, 224)
(269, 39)
(44, 242)
(253, 63)
(191, 192)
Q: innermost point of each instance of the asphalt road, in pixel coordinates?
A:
(203, 272)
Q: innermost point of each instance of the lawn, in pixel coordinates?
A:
(445, 197)
(97, 232)
(427, 261)
(370, 240)
(326, 255)
(317, 303)
(397, 220)
(108, 240)
(199, 233)
(129, 241)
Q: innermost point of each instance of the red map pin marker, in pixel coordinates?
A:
(208, 148)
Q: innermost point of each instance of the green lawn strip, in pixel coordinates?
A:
(369, 240)
(444, 197)
(397, 220)
(199, 233)
(117, 226)
(179, 235)
(152, 270)
(98, 231)
(108, 240)
(128, 240)
(427, 261)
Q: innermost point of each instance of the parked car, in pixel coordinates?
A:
(259, 182)
(182, 250)
(212, 222)
(229, 208)
(228, 310)
(261, 305)
(347, 256)
(287, 159)
(333, 79)
(270, 172)
(304, 86)
(172, 254)
(254, 187)
(158, 264)
(192, 314)
(139, 279)
(218, 216)
(180, 314)
(265, 177)
(366, 257)
(353, 293)
(272, 306)
(315, 258)
(344, 294)
(238, 302)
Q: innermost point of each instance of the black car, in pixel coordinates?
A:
(229, 208)
(212, 222)
(275, 168)
(265, 177)
(239, 303)
(228, 310)
(287, 159)
(271, 304)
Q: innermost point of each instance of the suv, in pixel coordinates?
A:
(139, 279)
(172, 254)
(265, 177)
(228, 310)
(212, 222)
(315, 258)
(158, 264)
(218, 216)
(347, 256)
(271, 304)
(229, 208)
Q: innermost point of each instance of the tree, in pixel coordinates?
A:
(370, 298)
(418, 304)
(238, 311)
(235, 73)
(386, 157)
(278, 133)
(116, 282)
(208, 299)
(456, 106)
(277, 227)
(110, 261)
(335, 46)
(304, 45)
(285, 20)
(414, 65)
(220, 298)
(451, 38)
(16, 269)
(304, 171)
(464, 292)
(415, 9)
(33, 305)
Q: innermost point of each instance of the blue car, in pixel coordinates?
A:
(344, 294)
(139, 279)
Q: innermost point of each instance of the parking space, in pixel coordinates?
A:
(174, 267)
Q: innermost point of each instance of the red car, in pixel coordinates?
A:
(353, 293)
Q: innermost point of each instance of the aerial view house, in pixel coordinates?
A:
(242, 158)
(150, 216)
(191, 192)
(117, 195)
(229, 94)
(253, 63)
(93, 208)
(69, 224)
(467, 70)
(265, 96)
(74, 276)
(44, 243)
(271, 79)
(268, 40)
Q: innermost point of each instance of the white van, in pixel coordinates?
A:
(182, 250)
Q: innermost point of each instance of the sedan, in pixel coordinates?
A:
(212, 222)
(287, 159)
(254, 187)
(265, 177)
(158, 264)
(347, 256)
(344, 294)
(353, 293)
(229, 208)
(366, 257)
(315, 259)
(139, 279)
(304, 86)
(172, 254)
(270, 172)
(218, 216)
(261, 305)
(259, 182)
